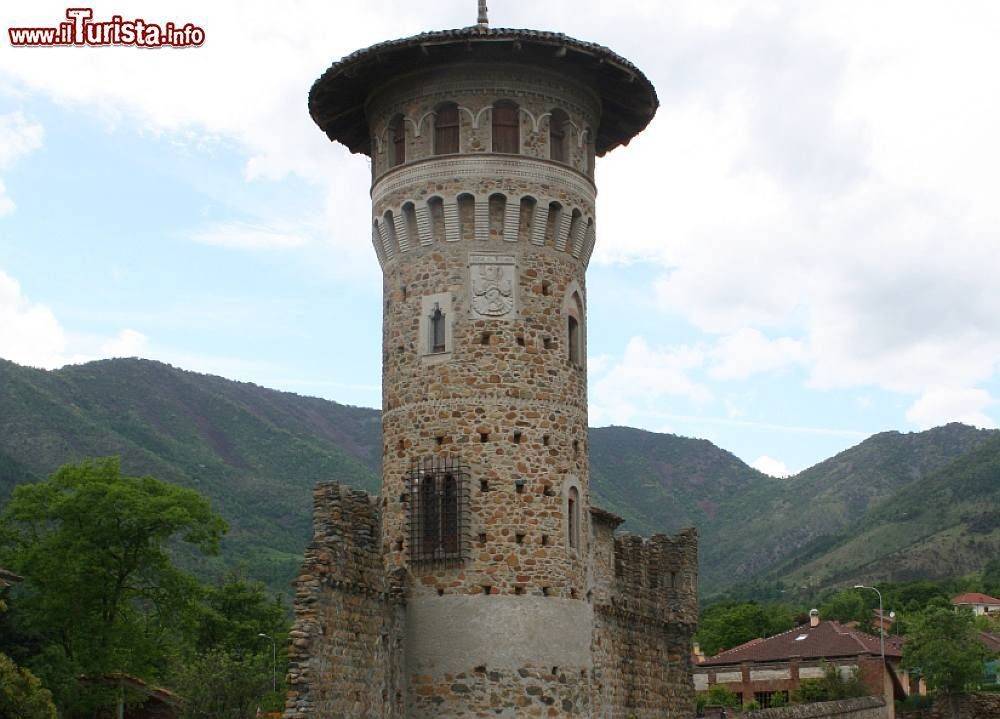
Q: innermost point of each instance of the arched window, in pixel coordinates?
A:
(446, 129)
(397, 141)
(438, 337)
(574, 340)
(573, 518)
(558, 136)
(506, 127)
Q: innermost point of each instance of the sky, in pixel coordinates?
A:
(801, 250)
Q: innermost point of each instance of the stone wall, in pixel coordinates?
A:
(980, 705)
(646, 612)
(861, 708)
(346, 656)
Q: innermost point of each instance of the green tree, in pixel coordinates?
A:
(217, 685)
(719, 695)
(22, 695)
(101, 593)
(729, 624)
(943, 646)
(991, 577)
(845, 606)
(833, 685)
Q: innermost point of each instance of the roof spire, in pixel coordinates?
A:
(484, 19)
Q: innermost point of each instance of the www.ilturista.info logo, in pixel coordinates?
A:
(82, 30)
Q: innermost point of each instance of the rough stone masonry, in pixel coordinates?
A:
(481, 582)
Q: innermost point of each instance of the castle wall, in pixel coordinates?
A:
(645, 616)
(346, 655)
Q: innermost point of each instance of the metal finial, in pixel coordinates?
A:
(484, 19)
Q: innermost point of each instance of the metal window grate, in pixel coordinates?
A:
(438, 518)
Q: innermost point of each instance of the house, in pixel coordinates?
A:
(979, 603)
(762, 668)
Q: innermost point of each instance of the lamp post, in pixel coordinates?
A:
(881, 630)
(274, 661)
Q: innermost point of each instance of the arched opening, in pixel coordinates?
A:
(397, 141)
(573, 518)
(506, 127)
(574, 340)
(498, 206)
(446, 129)
(410, 222)
(438, 339)
(526, 221)
(559, 136)
(390, 227)
(466, 217)
(574, 330)
(552, 223)
(436, 207)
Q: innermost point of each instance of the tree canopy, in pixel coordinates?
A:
(103, 595)
(943, 647)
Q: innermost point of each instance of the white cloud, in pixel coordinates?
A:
(128, 343)
(29, 333)
(242, 236)
(748, 352)
(643, 378)
(771, 466)
(18, 137)
(943, 405)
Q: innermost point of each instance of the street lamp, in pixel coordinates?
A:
(881, 630)
(274, 661)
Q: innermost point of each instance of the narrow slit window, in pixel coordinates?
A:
(438, 329)
(573, 518)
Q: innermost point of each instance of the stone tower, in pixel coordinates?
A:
(493, 586)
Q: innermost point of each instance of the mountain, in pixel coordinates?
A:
(256, 453)
(792, 522)
(938, 525)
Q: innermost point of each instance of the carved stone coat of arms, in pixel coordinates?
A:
(492, 286)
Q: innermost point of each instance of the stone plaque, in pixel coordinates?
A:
(493, 287)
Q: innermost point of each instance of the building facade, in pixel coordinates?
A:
(482, 581)
(762, 669)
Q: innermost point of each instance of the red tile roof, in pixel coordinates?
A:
(990, 641)
(975, 598)
(826, 640)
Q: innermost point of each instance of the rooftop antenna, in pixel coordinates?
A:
(484, 20)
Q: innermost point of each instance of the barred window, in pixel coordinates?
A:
(438, 502)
